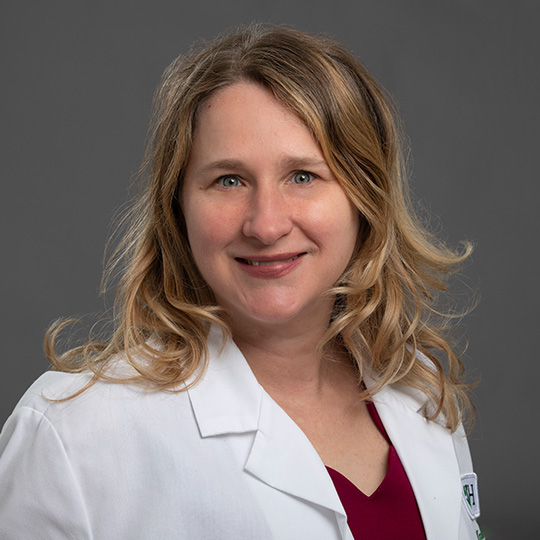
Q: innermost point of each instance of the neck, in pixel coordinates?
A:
(285, 359)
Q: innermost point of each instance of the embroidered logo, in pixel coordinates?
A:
(469, 485)
(480, 535)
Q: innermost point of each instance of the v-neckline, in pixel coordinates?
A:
(353, 487)
(391, 459)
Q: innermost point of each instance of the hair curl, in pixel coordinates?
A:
(385, 303)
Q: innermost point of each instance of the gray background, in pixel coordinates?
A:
(77, 83)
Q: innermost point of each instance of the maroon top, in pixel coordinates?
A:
(391, 510)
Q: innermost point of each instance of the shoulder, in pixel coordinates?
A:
(103, 411)
(103, 437)
(50, 387)
(59, 457)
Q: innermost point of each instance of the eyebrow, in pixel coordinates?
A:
(291, 162)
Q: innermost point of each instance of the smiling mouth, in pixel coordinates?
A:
(269, 263)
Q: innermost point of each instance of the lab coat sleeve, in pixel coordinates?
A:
(39, 494)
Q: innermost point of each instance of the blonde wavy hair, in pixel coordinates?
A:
(386, 301)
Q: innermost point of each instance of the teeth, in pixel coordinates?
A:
(269, 263)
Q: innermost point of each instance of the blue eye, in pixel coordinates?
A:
(228, 181)
(302, 178)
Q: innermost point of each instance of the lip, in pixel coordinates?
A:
(270, 266)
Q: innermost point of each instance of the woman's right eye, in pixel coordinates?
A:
(229, 181)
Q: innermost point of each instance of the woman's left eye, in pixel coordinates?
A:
(302, 177)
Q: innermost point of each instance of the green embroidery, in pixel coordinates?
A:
(480, 535)
(467, 496)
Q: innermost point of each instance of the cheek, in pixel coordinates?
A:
(345, 242)
(338, 226)
(346, 236)
(209, 229)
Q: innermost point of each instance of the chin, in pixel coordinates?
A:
(277, 314)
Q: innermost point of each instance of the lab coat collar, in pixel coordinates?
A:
(426, 451)
(229, 399)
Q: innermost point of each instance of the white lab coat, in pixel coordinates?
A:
(220, 461)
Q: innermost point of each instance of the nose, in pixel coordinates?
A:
(268, 217)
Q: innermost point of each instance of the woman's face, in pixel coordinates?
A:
(269, 225)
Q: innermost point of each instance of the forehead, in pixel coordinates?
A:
(242, 98)
(246, 116)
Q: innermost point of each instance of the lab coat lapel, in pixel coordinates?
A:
(284, 458)
(427, 453)
(229, 399)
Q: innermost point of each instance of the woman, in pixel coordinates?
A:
(275, 370)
